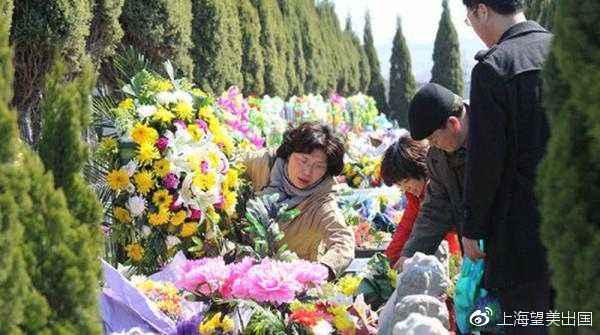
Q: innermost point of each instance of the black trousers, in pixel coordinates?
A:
(526, 298)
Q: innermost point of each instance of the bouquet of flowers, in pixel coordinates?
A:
(363, 110)
(236, 113)
(171, 176)
(363, 172)
(267, 115)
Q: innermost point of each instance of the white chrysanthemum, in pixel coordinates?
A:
(136, 205)
(131, 167)
(183, 96)
(172, 241)
(322, 328)
(146, 231)
(165, 98)
(146, 111)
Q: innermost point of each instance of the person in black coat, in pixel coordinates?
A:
(508, 132)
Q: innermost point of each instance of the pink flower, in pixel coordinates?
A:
(219, 203)
(162, 143)
(308, 274)
(180, 124)
(205, 276)
(204, 166)
(268, 281)
(237, 272)
(195, 214)
(202, 124)
(176, 204)
(171, 181)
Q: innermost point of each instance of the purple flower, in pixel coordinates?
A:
(195, 214)
(179, 124)
(162, 143)
(171, 181)
(202, 124)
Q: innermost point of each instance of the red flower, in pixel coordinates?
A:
(307, 318)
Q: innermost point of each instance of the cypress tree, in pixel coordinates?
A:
(447, 68)
(569, 177)
(295, 53)
(275, 66)
(402, 81)
(253, 67)
(50, 271)
(354, 57)
(217, 48)
(376, 86)
(314, 48)
(105, 32)
(541, 11)
(161, 30)
(41, 30)
(364, 67)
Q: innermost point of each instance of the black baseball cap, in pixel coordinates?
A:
(429, 109)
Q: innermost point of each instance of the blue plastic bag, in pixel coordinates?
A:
(475, 309)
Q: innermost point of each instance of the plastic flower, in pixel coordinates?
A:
(349, 285)
(205, 181)
(162, 167)
(158, 218)
(118, 180)
(307, 318)
(162, 199)
(141, 133)
(216, 325)
(341, 318)
(188, 229)
(195, 131)
(308, 273)
(146, 111)
(143, 182)
(178, 218)
(135, 252)
(136, 205)
(163, 115)
(268, 281)
(162, 143)
(205, 276)
(184, 111)
(147, 152)
(171, 181)
(121, 214)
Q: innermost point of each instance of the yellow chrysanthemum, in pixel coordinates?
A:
(163, 115)
(298, 305)
(393, 276)
(135, 252)
(162, 167)
(162, 199)
(108, 144)
(184, 111)
(188, 229)
(205, 181)
(141, 133)
(217, 322)
(147, 153)
(195, 131)
(159, 218)
(121, 214)
(229, 202)
(206, 113)
(341, 318)
(118, 180)
(178, 218)
(213, 159)
(126, 104)
(144, 182)
(223, 140)
(159, 85)
(349, 285)
(357, 180)
(231, 179)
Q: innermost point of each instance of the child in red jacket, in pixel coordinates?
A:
(404, 165)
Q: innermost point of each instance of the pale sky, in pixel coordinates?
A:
(420, 20)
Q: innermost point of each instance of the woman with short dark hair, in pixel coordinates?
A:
(301, 173)
(404, 165)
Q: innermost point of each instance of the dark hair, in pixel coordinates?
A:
(310, 136)
(404, 159)
(503, 7)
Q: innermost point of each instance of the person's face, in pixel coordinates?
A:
(306, 169)
(478, 19)
(412, 185)
(449, 137)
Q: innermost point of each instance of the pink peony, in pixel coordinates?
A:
(237, 272)
(205, 276)
(308, 274)
(268, 281)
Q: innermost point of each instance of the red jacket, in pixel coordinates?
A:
(405, 226)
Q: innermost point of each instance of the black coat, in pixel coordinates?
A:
(508, 132)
